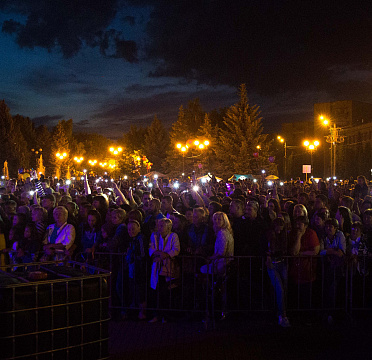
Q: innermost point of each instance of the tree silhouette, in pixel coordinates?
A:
(156, 144)
(239, 141)
(13, 144)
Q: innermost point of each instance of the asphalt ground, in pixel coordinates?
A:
(242, 336)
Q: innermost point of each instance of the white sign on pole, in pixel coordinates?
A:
(306, 169)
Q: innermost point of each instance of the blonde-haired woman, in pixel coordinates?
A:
(223, 247)
(299, 210)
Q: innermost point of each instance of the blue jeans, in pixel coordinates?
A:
(278, 274)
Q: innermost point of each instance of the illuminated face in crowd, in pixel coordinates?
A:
(164, 228)
(47, 203)
(197, 218)
(250, 211)
(300, 226)
(271, 206)
(146, 200)
(356, 232)
(235, 210)
(189, 216)
(116, 218)
(319, 222)
(133, 229)
(318, 204)
(298, 211)
(96, 204)
(218, 221)
(367, 219)
(60, 215)
(330, 231)
(92, 221)
(27, 233)
(165, 205)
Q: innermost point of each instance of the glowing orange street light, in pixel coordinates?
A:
(199, 145)
(311, 147)
(78, 159)
(115, 151)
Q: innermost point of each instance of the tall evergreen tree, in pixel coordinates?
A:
(238, 142)
(28, 131)
(60, 145)
(134, 138)
(156, 144)
(194, 116)
(95, 145)
(14, 146)
(44, 142)
(208, 156)
(176, 161)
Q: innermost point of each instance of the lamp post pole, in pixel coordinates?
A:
(333, 138)
(311, 148)
(283, 141)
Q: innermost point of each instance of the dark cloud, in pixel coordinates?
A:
(127, 50)
(131, 20)
(47, 120)
(68, 24)
(272, 46)
(145, 89)
(112, 44)
(84, 122)
(140, 111)
(48, 82)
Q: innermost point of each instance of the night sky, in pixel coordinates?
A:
(109, 64)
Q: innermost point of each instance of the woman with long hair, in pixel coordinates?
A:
(344, 218)
(223, 247)
(90, 231)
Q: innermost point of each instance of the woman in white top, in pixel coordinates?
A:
(164, 247)
(223, 247)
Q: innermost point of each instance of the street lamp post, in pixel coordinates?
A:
(92, 163)
(197, 144)
(283, 141)
(60, 157)
(115, 151)
(78, 160)
(333, 138)
(311, 147)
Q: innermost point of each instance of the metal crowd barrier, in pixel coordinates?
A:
(54, 310)
(245, 285)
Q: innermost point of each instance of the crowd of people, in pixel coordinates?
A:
(155, 222)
